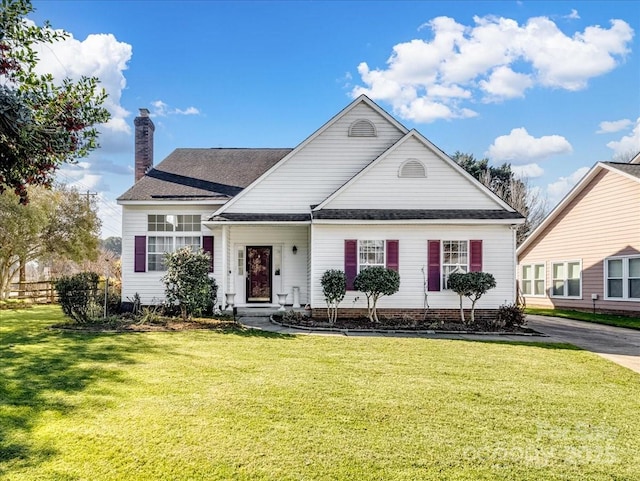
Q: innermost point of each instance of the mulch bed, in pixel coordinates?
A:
(397, 324)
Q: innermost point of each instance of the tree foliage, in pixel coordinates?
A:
(187, 282)
(112, 244)
(43, 124)
(376, 282)
(515, 191)
(334, 287)
(471, 285)
(57, 223)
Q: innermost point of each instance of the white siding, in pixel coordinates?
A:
(320, 167)
(381, 188)
(294, 266)
(148, 284)
(498, 259)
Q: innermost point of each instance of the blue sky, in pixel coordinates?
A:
(551, 87)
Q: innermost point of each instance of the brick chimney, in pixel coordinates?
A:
(143, 143)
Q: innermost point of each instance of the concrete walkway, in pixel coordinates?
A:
(616, 344)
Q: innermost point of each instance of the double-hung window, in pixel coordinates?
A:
(566, 279)
(172, 233)
(371, 253)
(532, 280)
(623, 277)
(455, 258)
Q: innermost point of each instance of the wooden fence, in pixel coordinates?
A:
(34, 291)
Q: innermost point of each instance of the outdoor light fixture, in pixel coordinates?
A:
(295, 250)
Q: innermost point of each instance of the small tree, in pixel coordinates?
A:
(376, 282)
(471, 285)
(334, 287)
(187, 281)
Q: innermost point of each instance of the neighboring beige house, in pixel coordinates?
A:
(586, 253)
(362, 191)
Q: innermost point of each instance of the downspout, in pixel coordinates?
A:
(311, 266)
(514, 229)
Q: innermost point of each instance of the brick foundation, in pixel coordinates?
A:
(434, 315)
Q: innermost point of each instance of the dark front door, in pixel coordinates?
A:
(259, 274)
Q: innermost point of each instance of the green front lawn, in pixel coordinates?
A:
(199, 405)
(609, 319)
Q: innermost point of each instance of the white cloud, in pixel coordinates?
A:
(628, 144)
(558, 189)
(161, 109)
(527, 171)
(607, 127)
(187, 111)
(574, 15)
(101, 56)
(519, 147)
(504, 83)
(494, 59)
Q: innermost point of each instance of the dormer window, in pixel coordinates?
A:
(412, 168)
(362, 128)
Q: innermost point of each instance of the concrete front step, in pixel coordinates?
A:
(263, 311)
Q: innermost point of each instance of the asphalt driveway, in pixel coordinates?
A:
(617, 344)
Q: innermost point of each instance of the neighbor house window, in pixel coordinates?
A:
(371, 253)
(455, 258)
(173, 228)
(532, 280)
(566, 279)
(623, 277)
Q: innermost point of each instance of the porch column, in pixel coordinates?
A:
(225, 262)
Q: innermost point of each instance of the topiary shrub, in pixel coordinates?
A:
(376, 282)
(334, 287)
(471, 285)
(510, 316)
(77, 294)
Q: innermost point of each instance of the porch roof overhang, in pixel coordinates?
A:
(229, 218)
(413, 216)
(376, 216)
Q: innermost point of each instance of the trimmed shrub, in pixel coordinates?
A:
(187, 282)
(510, 316)
(77, 294)
(376, 282)
(334, 287)
(471, 285)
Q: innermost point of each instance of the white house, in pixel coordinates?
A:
(360, 191)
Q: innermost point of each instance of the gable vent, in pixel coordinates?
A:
(362, 128)
(412, 168)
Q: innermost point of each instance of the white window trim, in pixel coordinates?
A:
(566, 264)
(533, 280)
(173, 234)
(625, 279)
(442, 264)
(384, 250)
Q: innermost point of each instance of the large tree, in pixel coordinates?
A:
(515, 191)
(57, 223)
(43, 123)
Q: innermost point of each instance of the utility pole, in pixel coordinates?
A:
(89, 195)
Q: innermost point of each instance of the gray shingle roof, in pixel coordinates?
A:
(631, 169)
(256, 217)
(414, 214)
(198, 174)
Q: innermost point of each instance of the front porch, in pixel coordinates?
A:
(262, 265)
